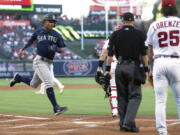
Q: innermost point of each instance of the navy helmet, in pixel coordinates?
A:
(49, 17)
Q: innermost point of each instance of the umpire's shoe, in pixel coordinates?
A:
(126, 128)
(59, 110)
(16, 79)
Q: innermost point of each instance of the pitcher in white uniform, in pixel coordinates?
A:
(163, 38)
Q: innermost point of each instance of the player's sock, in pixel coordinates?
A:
(51, 96)
(25, 80)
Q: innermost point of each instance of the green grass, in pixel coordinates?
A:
(64, 80)
(79, 101)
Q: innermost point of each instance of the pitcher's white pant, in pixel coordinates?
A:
(113, 97)
(165, 71)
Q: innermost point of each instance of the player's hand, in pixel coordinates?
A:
(107, 73)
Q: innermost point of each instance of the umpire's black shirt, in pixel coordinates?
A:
(128, 43)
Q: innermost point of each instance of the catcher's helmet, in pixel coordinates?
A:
(49, 17)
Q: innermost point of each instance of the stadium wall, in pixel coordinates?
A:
(70, 68)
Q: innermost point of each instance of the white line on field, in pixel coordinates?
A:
(87, 125)
(99, 123)
(75, 129)
(174, 123)
(29, 125)
(92, 124)
(169, 120)
(11, 120)
(28, 117)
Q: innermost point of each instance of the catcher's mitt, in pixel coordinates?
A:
(106, 85)
(104, 81)
(99, 77)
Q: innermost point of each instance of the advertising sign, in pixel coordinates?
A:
(14, 23)
(15, 2)
(16, 5)
(75, 68)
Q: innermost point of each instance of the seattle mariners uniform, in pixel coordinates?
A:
(56, 81)
(48, 42)
(113, 97)
(163, 38)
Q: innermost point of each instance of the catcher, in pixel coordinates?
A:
(107, 82)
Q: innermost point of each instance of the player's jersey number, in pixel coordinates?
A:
(171, 38)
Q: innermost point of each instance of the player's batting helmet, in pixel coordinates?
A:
(49, 17)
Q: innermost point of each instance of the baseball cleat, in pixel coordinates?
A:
(59, 110)
(114, 115)
(16, 79)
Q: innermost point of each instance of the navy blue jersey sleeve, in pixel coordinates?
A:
(60, 42)
(30, 41)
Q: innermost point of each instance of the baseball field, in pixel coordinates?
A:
(22, 112)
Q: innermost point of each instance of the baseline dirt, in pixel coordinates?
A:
(68, 86)
(76, 125)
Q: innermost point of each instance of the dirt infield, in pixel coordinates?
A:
(75, 124)
(68, 86)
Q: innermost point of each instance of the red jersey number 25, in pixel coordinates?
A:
(171, 38)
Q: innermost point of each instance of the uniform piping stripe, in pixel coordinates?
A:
(114, 97)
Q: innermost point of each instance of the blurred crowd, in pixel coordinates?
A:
(13, 38)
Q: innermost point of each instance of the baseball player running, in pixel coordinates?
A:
(56, 81)
(163, 38)
(48, 42)
(113, 97)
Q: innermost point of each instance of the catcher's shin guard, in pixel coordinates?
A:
(113, 101)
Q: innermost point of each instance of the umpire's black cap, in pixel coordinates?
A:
(49, 17)
(128, 17)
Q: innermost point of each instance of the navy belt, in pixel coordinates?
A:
(46, 59)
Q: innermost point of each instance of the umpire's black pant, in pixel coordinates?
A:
(128, 92)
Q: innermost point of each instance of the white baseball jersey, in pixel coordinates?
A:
(164, 35)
